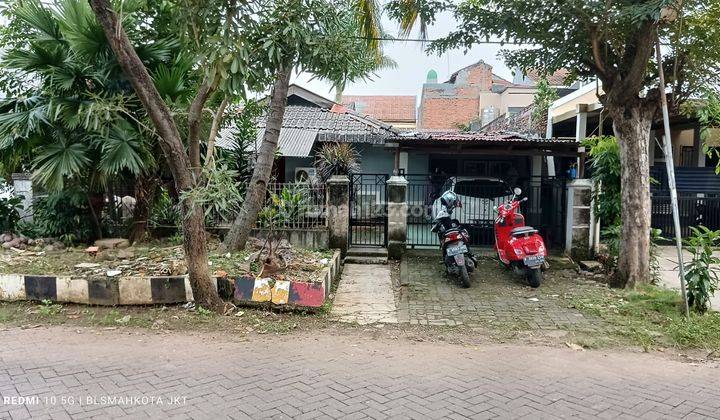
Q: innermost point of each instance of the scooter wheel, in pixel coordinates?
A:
(534, 277)
(464, 277)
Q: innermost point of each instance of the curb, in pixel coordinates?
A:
(163, 289)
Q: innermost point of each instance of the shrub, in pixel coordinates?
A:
(701, 273)
(604, 155)
(10, 213)
(336, 159)
(64, 215)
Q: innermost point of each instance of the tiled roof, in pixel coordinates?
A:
(383, 107)
(336, 124)
(477, 137)
(555, 79)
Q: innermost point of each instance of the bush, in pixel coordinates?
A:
(613, 237)
(10, 213)
(604, 155)
(336, 159)
(701, 273)
(64, 215)
(165, 213)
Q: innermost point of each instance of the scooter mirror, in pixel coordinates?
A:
(517, 191)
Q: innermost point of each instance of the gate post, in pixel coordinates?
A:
(397, 216)
(338, 212)
(579, 223)
(22, 185)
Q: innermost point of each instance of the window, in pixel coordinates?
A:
(514, 110)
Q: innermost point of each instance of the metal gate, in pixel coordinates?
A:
(545, 209)
(368, 210)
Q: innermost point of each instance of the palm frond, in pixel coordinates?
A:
(123, 150)
(369, 21)
(60, 160)
(80, 28)
(39, 18)
(35, 59)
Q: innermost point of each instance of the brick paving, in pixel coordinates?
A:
(496, 297)
(331, 375)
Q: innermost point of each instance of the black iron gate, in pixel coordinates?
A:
(368, 210)
(545, 209)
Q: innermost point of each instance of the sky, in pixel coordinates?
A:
(413, 64)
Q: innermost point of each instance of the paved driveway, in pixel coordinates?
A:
(669, 272)
(111, 374)
(496, 296)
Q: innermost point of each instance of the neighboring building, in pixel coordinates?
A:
(396, 110)
(474, 96)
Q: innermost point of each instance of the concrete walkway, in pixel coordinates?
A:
(669, 271)
(63, 373)
(365, 295)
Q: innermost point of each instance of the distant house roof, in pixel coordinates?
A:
(311, 118)
(383, 107)
(555, 79)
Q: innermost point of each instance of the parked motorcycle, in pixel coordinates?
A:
(454, 240)
(519, 247)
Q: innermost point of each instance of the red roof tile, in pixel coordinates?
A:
(383, 107)
(555, 79)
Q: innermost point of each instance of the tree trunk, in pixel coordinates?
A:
(631, 124)
(255, 195)
(146, 187)
(193, 222)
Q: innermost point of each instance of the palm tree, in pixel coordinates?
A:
(79, 122)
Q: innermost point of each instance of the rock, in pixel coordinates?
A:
(49, 247)
(111, 243)
(15, 243)
(87, 265)
(534, 299)
(123, 320)
(575, 347)
(125, 254)
(58, 245)
(6, 245)
(113, 273)
(31, 242)
(591, 265)
(6, 237)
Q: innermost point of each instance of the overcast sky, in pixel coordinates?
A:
(413, 64)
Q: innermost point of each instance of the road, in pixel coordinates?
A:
(67, 373)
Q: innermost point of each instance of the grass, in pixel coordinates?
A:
(651, 318)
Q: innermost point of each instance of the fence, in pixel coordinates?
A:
(287, 206)
(294, 206)
(693, 211)
(545, 208)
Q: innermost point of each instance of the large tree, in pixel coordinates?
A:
(614, 41)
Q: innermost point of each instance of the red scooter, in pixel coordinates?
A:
(519, 247)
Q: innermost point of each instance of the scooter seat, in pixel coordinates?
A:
(524, 230)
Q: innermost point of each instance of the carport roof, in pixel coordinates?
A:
(476, 137)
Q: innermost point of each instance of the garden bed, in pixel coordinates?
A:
(157, 273)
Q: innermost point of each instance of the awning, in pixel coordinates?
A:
(297, 142)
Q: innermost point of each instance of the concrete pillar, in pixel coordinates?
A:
(22, 185)
(580, 130)
(338, 212)
(579, 221)
(397, 216)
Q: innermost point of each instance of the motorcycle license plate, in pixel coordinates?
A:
(534, 260)
(456, 250)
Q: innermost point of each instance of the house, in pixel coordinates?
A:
(310, 120)
(396, 110)
(580, 114)
(475, 96)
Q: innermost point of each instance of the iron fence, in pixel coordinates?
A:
(368, 209)
(693, 209)
(545, 208)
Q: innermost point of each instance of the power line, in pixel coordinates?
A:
(393, 39)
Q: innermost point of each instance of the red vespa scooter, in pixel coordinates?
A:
(519, 247)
